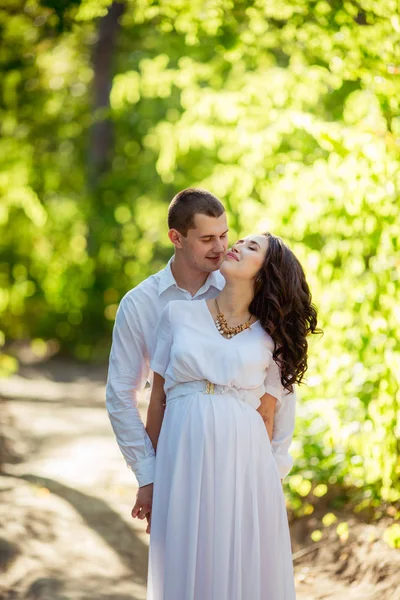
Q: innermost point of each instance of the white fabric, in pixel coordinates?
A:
(219, 528)
(133, 340)
(188, 359)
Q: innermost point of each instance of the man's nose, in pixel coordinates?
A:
(219, 246)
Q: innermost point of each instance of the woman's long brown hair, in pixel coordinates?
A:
(282, 303)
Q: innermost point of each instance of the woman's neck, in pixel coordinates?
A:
(235, 299)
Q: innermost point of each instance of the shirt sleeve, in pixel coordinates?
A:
(127, 374)
(284, 420)
(162, 347)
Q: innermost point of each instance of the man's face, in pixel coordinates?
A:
(204, 246)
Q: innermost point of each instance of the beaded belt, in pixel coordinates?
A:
(250, 396)
(210, 387)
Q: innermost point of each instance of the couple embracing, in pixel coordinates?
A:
(223, 331)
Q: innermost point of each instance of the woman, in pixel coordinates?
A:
(219, 528)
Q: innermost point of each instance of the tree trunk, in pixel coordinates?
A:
(101, 139)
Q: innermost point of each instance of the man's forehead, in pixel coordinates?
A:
(209, 226)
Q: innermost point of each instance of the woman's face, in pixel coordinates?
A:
(245, 258)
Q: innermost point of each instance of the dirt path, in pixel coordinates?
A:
(67, 533)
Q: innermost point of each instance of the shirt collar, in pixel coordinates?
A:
(167, 280)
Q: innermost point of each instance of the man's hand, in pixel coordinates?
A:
(143, 504)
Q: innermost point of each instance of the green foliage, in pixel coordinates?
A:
(288, 111)
(392, 535)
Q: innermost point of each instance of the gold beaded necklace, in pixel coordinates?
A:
(223, 326)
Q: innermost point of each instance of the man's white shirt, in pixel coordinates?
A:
(129, 370)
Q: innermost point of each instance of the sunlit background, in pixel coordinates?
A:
(289, 112)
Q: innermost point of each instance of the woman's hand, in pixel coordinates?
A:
(143, 504)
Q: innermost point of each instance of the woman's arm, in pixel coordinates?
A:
(155, 412)
(267, 412)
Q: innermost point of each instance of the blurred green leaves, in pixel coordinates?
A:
(289, 111)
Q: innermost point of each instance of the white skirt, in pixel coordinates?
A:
(219, 528)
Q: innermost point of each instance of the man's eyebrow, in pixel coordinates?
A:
(211, 235)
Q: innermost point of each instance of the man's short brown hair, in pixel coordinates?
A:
(190, 202)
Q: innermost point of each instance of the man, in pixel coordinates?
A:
(199, 232)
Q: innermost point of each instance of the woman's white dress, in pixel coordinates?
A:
(219, 528)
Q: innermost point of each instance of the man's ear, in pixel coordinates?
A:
(175, 237)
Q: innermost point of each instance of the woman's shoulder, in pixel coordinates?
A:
(180, 307)
(177, 305)
(267, 339)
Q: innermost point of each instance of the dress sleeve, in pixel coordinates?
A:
(284, 423)
(272, 382)
(284, 420)
(163, 342)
